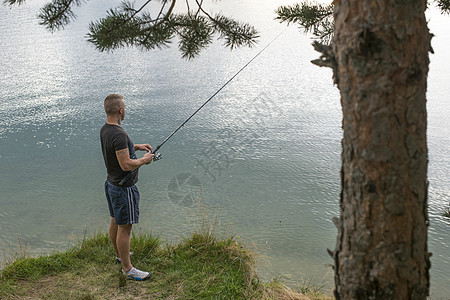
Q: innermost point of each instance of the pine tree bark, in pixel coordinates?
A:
(380, 60)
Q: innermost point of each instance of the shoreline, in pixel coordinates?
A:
(201, 265)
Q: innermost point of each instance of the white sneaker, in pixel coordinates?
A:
(137, 274)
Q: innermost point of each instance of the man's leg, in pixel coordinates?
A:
(123, 245)
(124, 203)
(113, 235)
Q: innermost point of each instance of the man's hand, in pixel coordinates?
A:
(128, 164)
(143, 147)
(148, 157)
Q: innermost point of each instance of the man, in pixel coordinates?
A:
(123, 200)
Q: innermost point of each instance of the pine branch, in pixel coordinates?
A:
(195, 33)
(127, 26)
(314, 18)
(235, 33)
(127, 6)
(162, 9)
(58, 13)
(444, 6)
(305, 14)
(318, 18)
(13, 2)
(124, 26)
(167, 15)
(199, 9)
(118, 30)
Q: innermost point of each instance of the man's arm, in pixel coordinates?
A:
(128, 164)
(143, 147)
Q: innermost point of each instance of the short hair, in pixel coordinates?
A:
(112, 103)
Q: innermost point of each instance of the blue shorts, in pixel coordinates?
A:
(123, 203)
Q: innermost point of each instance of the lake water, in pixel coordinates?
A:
(263, 157)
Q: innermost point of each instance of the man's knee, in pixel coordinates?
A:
(125, 228)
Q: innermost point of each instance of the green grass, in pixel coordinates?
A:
(201, 266)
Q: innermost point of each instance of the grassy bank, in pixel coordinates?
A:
(201, 266)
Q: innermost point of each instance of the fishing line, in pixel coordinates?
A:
(158, 156)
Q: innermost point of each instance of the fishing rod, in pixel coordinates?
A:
(158, 156)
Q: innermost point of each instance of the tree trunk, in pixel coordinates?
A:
(380, 51)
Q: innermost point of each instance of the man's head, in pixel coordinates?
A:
(115, 105)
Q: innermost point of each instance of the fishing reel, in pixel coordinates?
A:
(157, 156)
